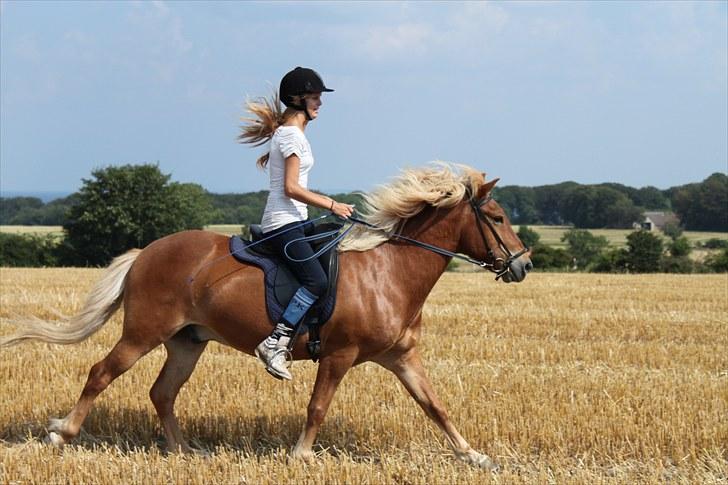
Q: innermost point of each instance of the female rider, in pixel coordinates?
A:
(289, 161)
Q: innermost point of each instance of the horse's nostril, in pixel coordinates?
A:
(529, 266)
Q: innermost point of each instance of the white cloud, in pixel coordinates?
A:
(416, 31)
(162, 31)
(481, 17)
(393, 41)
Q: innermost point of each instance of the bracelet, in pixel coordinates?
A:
(332, 205)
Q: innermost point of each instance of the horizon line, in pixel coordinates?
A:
(339, 190)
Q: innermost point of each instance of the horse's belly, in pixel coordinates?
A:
(232, 306)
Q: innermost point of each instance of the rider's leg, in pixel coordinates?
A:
(272, 351)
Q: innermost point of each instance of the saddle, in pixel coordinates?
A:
(281, 283)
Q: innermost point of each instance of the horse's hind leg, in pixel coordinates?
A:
(408, 368)
(124, 354)
(182, 356)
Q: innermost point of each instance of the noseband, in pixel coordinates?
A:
(499, 266)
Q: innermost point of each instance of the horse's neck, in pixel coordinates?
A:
(416, 268)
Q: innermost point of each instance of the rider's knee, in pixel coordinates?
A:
(318, 287)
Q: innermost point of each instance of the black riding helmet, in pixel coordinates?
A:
(298, 82)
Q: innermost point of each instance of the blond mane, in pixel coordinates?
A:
(439, 184)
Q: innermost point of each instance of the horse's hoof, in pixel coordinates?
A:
(480, 460)
(55, 439)
(188, 451)
(485, 462)
(305, 456)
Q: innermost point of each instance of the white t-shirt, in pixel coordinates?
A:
(281, 209)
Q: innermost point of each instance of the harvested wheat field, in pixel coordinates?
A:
(562, 378)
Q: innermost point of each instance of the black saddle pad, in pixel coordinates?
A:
(281, 283)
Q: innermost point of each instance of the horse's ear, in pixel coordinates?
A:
(485, 189)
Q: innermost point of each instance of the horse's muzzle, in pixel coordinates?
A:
(518, 269)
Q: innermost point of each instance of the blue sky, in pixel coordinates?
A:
(532, 92)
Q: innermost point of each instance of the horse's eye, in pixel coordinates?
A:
(498, 220)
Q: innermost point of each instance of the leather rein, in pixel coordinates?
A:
(499, 266)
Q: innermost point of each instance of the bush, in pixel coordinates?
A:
(583, 246)
(614, 261)
(546, 258)
(679, 247)
(718, 262)
(24, 250)
(715, 243)
(677, 264)
(528, 236)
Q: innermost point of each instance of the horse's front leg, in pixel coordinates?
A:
(408, 368)
(332, 369)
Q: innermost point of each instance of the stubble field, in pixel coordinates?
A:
(564, 378)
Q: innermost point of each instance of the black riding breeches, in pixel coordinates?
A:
(310, 273)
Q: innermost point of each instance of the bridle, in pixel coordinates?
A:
(499, 266)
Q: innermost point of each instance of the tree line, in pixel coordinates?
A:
(645, 252)
(121, 207)
(701, 206)
(244, 209)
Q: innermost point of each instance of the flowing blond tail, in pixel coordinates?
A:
(102, 302)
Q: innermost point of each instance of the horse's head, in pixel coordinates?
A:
(487, 235)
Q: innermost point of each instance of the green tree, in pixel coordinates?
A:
(650, 198)
(238, 208)
(128, 206)
(703, 206)
(518, 202)
(550, 201)
(591, 207)
(528, 236)
(584, 246)
(644, 252)
(10, 207)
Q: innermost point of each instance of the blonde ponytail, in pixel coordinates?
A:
(259, 129)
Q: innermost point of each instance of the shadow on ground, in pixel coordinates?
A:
(139, 430)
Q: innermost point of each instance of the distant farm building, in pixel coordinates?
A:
(657, 221)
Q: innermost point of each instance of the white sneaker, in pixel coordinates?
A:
(274, 359)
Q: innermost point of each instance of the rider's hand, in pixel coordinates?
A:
(342, 210)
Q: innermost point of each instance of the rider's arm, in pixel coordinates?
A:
(294, 190)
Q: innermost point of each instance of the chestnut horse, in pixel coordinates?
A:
(382, 288)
